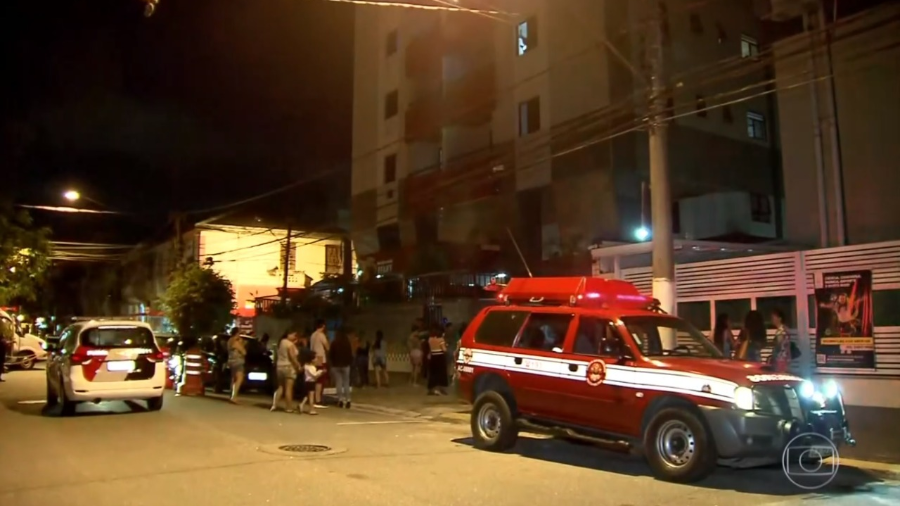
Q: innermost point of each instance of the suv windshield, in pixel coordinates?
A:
(115, 336)
(647, 332)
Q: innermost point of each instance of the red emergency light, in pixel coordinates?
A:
(575, 291)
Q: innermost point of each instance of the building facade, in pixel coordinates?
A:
(252, 258)
(838, 74)
(469, 128)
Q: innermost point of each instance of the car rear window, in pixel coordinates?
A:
(500, 328)
(118, 336)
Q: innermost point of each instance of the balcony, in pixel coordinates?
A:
(475, 176)
(424, 55)
(424, 118)
(466, 34)
(471, 100)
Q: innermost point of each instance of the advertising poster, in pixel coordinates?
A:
(844, 333)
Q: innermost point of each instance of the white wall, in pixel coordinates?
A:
(718, 214)
(257, 259)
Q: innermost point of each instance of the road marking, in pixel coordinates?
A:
(41, 401)
(384, 422)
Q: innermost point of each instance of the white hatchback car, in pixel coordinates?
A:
(101, 360)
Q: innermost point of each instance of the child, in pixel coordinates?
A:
(312, 370)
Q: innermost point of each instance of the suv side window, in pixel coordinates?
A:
(545, 331)
(500, 328)
(598, 337)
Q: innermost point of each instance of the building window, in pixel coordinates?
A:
(727, 116)
(760, 208)
(756, 126)
(529, 116)
(391, 43)
(391, 104)
(749, 46)
(527, 35)
(701, 106)
(333, 259)
(696, 24)
(390, 169)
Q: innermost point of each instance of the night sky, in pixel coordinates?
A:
(205, 103)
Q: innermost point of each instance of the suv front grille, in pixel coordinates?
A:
(780, 400)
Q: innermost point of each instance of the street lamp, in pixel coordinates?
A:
(72, 195)
(642, 233)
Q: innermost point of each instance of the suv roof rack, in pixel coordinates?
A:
(575, 291)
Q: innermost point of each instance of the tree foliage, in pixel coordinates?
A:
(198, 301)
(24, 256)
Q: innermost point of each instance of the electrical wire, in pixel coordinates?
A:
(638, 125)
(437, 92)
(445, 8)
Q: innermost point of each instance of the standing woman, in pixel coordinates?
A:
(379, 360)
(341, 361)
(437, 362)
(723, 337)
(414, 345)
(237, 358)
(753, 337)
(287, 365)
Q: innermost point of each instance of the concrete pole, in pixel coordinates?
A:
(660, 189)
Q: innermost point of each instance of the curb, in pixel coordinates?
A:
(882, 469)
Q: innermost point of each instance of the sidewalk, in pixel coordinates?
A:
(403, 399)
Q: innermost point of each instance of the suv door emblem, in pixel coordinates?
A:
(596, 372)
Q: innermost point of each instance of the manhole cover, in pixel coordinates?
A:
(305, 448)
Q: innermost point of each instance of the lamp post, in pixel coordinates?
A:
(75, 196)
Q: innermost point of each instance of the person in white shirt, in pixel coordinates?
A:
(320, 346)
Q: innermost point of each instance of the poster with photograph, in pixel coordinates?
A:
(844, 328)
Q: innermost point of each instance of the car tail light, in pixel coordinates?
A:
(157, 356)
(84, 354)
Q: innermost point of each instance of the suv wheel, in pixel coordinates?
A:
(68, 407)
(155, 404)
(52, 398)
(493, 425)
(679, 447)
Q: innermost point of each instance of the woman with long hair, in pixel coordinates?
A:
(753, 337)
(341, 361)
(379, 360)
(723, 337)
(237, 360)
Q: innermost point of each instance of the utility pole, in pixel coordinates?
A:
(660, 189)
(286, 266)
(179, 240)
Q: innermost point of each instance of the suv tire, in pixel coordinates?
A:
(68, 407)
(155, 403)
(678, 446)
(493, 425)
(52, 398)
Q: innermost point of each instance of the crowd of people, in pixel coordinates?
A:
(752, 338)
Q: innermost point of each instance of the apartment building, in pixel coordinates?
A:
(529, 120)
(838, 76)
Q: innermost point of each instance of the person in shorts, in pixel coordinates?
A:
(379, 360)
(311, 374)
(320, 346)
(237, 359)
(286, 367)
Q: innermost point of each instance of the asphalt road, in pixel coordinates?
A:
(205, 451)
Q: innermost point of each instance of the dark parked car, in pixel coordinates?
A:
(259, 369)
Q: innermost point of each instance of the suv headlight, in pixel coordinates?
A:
(743, 398)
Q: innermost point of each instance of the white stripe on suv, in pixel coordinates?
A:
(616, 375)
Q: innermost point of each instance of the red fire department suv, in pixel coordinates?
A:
(593, 360)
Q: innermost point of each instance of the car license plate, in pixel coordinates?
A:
(257, 376)
(120, 366)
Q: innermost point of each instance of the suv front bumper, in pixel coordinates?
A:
(748, 434)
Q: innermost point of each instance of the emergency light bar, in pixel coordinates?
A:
(574, 291)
